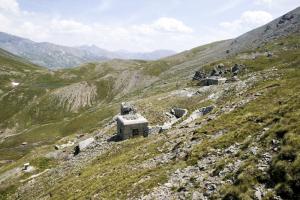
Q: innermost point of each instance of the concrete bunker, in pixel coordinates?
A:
(131, 124)
(213, 80)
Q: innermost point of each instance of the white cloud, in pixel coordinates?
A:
(163, 25)
(163, 33)
(171, 25)
(256, 18)
(68, 26)
(9, 6)
(247, 21)
(5, 23)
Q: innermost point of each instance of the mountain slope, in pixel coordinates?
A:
(185, 62)
(36, 101)
(46, 54)
(247, 147)
(57, 56)
(233, 152)
(280, 27)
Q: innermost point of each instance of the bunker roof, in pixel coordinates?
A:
(132, 119)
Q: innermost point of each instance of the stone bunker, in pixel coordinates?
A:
(217, 76)
(131, 124)
(213, 80)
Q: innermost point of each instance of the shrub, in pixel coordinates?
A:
(232, 194)
(278, 172)
(280, 133)
(284, 191)
(287, 153)
(295, 183)
(263, 177)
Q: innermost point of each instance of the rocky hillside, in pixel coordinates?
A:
(238, 140)
(283, 26)
(57, 56)
(185, 62)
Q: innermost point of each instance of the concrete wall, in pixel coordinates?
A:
(212, 81)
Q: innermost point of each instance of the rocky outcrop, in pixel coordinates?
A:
(280, 27)
(286, 18)
(217, 75)
(174, 116)
(219, 70)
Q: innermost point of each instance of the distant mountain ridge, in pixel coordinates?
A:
(123, 54)
(57, 56)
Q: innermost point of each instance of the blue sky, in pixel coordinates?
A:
(137, 25)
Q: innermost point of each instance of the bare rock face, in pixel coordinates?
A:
(285, 18)
(76, 96)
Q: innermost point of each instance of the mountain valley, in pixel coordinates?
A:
(238, 140)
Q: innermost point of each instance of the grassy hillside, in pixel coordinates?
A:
(255, 124)
(47, 105)
(247, 147)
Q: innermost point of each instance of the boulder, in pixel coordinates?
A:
(221, 66)
(127, 108)
(165, 127)
(179, 112)
(269, 54)
(83, 145)
(258, 194)
(199, 75)
(237, 68)
(218, 70)
(206, 110)
(63, 146)
(26, 166)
